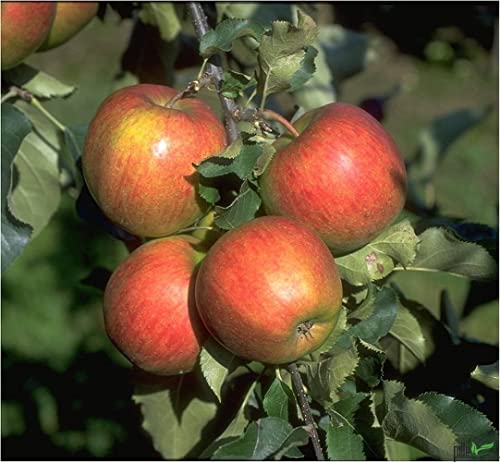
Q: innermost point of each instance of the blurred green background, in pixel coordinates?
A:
(66, 391)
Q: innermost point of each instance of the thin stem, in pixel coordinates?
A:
(200, 25)
(202, 69)
(250, 98)
(268, 114)
(47, 114)
(264, 93)
(10, 94)
(191, 89)
(306, 410)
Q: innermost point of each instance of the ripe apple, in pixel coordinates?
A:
(71, 17)
(269, 290)
(139, 154)
(25, 25)
(343, 176)
(149, 308)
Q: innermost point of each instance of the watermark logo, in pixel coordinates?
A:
(474, 451)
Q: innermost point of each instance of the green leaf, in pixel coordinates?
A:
(238, 159)
(207, 192)
(36, 82)
(326, 376)
(235, 428)
(72, 150)
(261, 440)
(298, 437)
(221, 38)
(374, 261)
(37, 194)
(487, 375)
(163, 16)
(339, 329)
(319, 89)
(15, 235)
(234, 83)
(278, 399)
(344, 444)
(482, 323)
(216, 363)
(241, 210)
(415, 423)
(467, 423)
(394, 450)
(440, 250)
(379, 323)
(370, 367)
(348, 407)
(408, 335)
(177, 412)
(268, 151)
(286, 57)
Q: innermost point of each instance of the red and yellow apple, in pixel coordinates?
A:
(25, 26)
(71, 18)
(139, 154)
(343, 176)
(149, 307)
(269, 290)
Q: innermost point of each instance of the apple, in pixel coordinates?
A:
(71, 17)
(149, 308)
(25, 25)
(343, 176)
(269, 290)
(138, 158)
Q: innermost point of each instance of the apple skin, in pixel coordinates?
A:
(71, 18)
(149, 306)
(262, 283)
(343, 176)
(25, 25)
(138, 158)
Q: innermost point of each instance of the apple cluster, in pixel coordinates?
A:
(39, 26)
(268, 290)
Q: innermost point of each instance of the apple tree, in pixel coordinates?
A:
(256, 132)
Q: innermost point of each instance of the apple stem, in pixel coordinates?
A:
(268, 114)
(214, 69)
(191, 89)
(298, 386)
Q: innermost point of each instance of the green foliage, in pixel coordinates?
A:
(286, 56)
(277, 401)
(173, 408)
(234, 83)
(488, 375)
(376, 260)
(344, 444)
(221, 38)
(413, 422)
(241, 210)
(262, 439)
(216, 363)
(15, 234)
(440, 250)
(37, 82)
(405, 341)
(465, 422)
